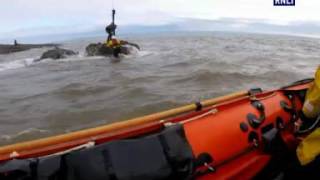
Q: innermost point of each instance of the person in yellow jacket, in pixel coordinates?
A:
(115, 44)
(309, 149)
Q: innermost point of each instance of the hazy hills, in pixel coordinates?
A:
(185, 24)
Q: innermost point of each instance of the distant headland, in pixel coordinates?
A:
(16, 47)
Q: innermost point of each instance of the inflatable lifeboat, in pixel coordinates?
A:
(235, 136)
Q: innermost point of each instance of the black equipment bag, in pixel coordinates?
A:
(165, 155)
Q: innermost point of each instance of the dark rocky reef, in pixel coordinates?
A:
(7, 48)
(100, 49)
(57, 53)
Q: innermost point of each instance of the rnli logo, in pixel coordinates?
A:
(284, 2)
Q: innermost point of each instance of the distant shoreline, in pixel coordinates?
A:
(9, 48)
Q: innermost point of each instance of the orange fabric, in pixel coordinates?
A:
(113, 43)
(220, 135)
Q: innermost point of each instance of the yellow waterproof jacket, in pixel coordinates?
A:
(309, 148)
(113, 43)
(311, 106)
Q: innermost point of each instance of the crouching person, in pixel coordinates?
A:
(309, 149)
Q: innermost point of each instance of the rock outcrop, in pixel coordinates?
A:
(99, 49)
(57, 53)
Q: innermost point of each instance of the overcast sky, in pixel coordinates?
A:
(17, 16)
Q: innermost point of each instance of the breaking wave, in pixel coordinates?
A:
(28, 132)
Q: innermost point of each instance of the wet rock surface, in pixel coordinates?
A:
(100, 49)
(57, 53)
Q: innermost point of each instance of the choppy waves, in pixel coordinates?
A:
(54, 97)
(15, 64)
(30, 132)
(22, 63)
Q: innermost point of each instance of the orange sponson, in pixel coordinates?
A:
(236, 155)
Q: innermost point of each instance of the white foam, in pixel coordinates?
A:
(20, 63)
(24, 133)
(134, 52)
(145, 53)
(81, 58)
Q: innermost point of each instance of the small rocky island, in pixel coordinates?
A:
(112, 46)
(56, 53)
(100, 49)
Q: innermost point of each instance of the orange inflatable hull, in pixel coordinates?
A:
(235, 155)
(231, 132)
